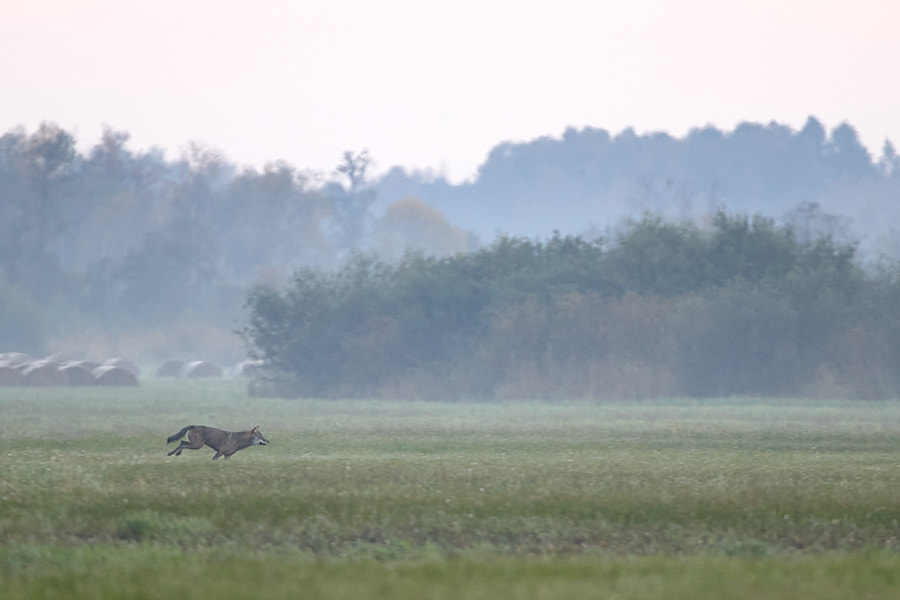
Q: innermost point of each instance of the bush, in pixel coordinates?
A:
(740, 309)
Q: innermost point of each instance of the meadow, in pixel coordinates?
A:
(738, 497)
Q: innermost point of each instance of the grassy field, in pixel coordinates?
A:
(668, 499)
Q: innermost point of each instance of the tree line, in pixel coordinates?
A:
(740, 306)
(588, 179)
(116, 239)
(114, 242)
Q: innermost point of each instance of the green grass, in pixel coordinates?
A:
(158, 573)
(736, 497)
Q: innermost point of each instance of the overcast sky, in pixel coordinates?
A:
(437, 84)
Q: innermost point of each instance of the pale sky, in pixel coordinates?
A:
(437, 84)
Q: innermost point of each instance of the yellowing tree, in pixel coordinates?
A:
(411, 224)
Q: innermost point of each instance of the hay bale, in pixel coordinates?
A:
(247, 368)
(87, 365)
(109, 375)
(15, 358)
(43, 373)
(170, 368)
(10, 375)
(201, 368)
(77, 375)
(123, 363)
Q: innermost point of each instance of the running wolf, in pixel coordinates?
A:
(225, 443)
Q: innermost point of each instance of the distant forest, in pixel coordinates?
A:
(588, 180)
(112, 244)
(117, 250)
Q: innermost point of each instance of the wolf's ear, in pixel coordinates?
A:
(255, 428)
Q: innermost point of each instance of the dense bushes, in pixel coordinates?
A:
(739, 308)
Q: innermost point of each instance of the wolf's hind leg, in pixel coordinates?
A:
(177, 451)
(190, 445)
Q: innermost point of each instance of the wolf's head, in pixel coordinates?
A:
(256, 438)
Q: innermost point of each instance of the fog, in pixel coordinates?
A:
(117, 250)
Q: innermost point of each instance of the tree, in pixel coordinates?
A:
(350, 205)
(311, 333)
(168, 272)
(890, 161)
(847, 154)
(41, 166)
(754, 249)
(411, 224)
(46, 161)
(276, 201)
(813, 133)
(656, 257)
(354, 167)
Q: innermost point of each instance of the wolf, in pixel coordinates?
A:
(225, 443)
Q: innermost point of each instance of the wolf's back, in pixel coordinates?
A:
(180, 434)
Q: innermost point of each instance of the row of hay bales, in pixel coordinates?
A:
(194, 369)
(17, 368)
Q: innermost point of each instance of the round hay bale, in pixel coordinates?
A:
(10, 375)
(247, 368)
(170, 368)
(42, 373)
(15, 358)
(123, 363)
(201, 368)
(77, 375)
(114, 376)
(87, 365)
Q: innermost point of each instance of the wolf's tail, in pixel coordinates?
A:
(175, 436)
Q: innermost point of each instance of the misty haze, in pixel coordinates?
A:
(118, 251)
